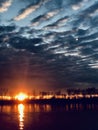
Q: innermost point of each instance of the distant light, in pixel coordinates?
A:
(77, 39)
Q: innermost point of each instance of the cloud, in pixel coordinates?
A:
(26, 12)
(31, 8)
(22, 43)
(7, 29)
(5, 5)
(62, 51)
(36, 22)
(76, 7)
(51, 14)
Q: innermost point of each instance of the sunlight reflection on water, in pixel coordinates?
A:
(21, 116)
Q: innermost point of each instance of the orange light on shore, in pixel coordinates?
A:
(21, 96)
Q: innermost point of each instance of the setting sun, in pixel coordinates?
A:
(21, 96)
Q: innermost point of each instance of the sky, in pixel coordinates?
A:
(48, 44)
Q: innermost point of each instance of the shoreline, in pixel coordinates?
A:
(52, 101)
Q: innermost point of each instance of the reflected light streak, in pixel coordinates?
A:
(21, 116)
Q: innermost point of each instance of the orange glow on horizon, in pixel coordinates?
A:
(21, 96)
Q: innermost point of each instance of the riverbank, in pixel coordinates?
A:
(52, 101)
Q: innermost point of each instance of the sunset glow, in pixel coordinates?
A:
(21, 96)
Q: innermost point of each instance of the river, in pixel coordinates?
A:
(48, 117)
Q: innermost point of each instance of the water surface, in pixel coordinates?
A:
(48, 117)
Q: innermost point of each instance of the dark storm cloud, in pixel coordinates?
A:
(7, 29)
(22, 43)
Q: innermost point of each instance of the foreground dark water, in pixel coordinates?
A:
(47, 117)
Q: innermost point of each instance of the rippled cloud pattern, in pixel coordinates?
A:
(49, 43)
